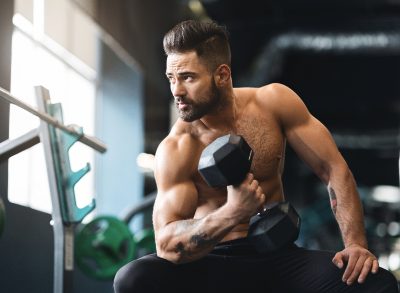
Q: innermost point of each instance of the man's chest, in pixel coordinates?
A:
(265, 137)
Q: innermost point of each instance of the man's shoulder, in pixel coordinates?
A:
(179, 140)
(275, 97)
(174, 156)
(270, 93)
(179, 134)
(174, 142)
(273, 92)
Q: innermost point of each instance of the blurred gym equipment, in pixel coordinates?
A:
(57, 139)
(107, 243)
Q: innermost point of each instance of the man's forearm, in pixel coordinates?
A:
(188, 240)
(347, 208)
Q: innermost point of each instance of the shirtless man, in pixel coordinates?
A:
(201, 231)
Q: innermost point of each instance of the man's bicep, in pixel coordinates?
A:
(177, 193)
(178, 202)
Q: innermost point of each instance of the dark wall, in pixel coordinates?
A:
(26, 251)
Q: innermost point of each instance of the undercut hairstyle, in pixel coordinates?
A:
(208, 39)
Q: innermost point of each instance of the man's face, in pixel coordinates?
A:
(192, 86)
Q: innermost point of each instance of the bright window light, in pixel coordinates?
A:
(34, 63)
(386, 193)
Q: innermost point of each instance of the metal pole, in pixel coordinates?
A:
(84, 138)
(62, 272)
(12, 147)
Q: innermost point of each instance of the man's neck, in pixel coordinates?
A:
(223, 118)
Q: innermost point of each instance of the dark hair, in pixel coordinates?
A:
(208, 39)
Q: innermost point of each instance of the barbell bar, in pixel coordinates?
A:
(84, 138)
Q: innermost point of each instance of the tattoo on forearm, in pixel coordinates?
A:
(201, 240)
(180, 248)
(197, 241)
(332, 196)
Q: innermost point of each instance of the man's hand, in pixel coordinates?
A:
(247, 198)
(360, 262)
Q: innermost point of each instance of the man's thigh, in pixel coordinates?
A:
(302, 270)
(213, 273)
(289, 270)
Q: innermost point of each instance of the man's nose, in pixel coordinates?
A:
(178, 90)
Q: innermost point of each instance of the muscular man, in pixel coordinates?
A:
(201, 231)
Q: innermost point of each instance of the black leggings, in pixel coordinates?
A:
(234, 266)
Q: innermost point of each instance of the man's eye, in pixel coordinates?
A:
(188, 78)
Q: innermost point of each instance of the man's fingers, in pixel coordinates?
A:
(254, 184)
(338, 260)
(246, 181)
(359, 262)
(365, 270)
(356, 270)
(349, 268)
(375, 266)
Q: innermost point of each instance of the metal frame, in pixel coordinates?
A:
(43, 115)
(11, 147)
(63, 264)
(56, 139)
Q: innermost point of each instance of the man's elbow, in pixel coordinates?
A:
(326, 172)
(173, 255)
(336, 172)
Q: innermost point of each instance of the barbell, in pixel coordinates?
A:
(84, 138)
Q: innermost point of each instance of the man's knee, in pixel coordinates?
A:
(138, 276)
(127, 277)
(386, 282)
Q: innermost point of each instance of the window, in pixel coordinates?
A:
(54, 45)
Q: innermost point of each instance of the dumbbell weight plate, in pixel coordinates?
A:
(103, 246)
(274, 228)
(145, 242)
(225, 161)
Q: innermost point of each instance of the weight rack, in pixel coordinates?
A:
(56, 139)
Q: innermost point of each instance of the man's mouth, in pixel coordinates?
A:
(181, 105)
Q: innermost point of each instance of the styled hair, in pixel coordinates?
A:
(208, 39)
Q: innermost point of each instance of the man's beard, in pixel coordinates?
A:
(195, 110)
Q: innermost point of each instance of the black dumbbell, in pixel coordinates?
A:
(277, 226)
(226, 161)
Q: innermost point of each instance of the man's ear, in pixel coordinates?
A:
(222, 75)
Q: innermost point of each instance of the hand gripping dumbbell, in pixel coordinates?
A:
(226, 161)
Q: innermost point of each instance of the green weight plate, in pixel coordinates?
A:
(103, 246)
(2, 216)
(145, 242)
